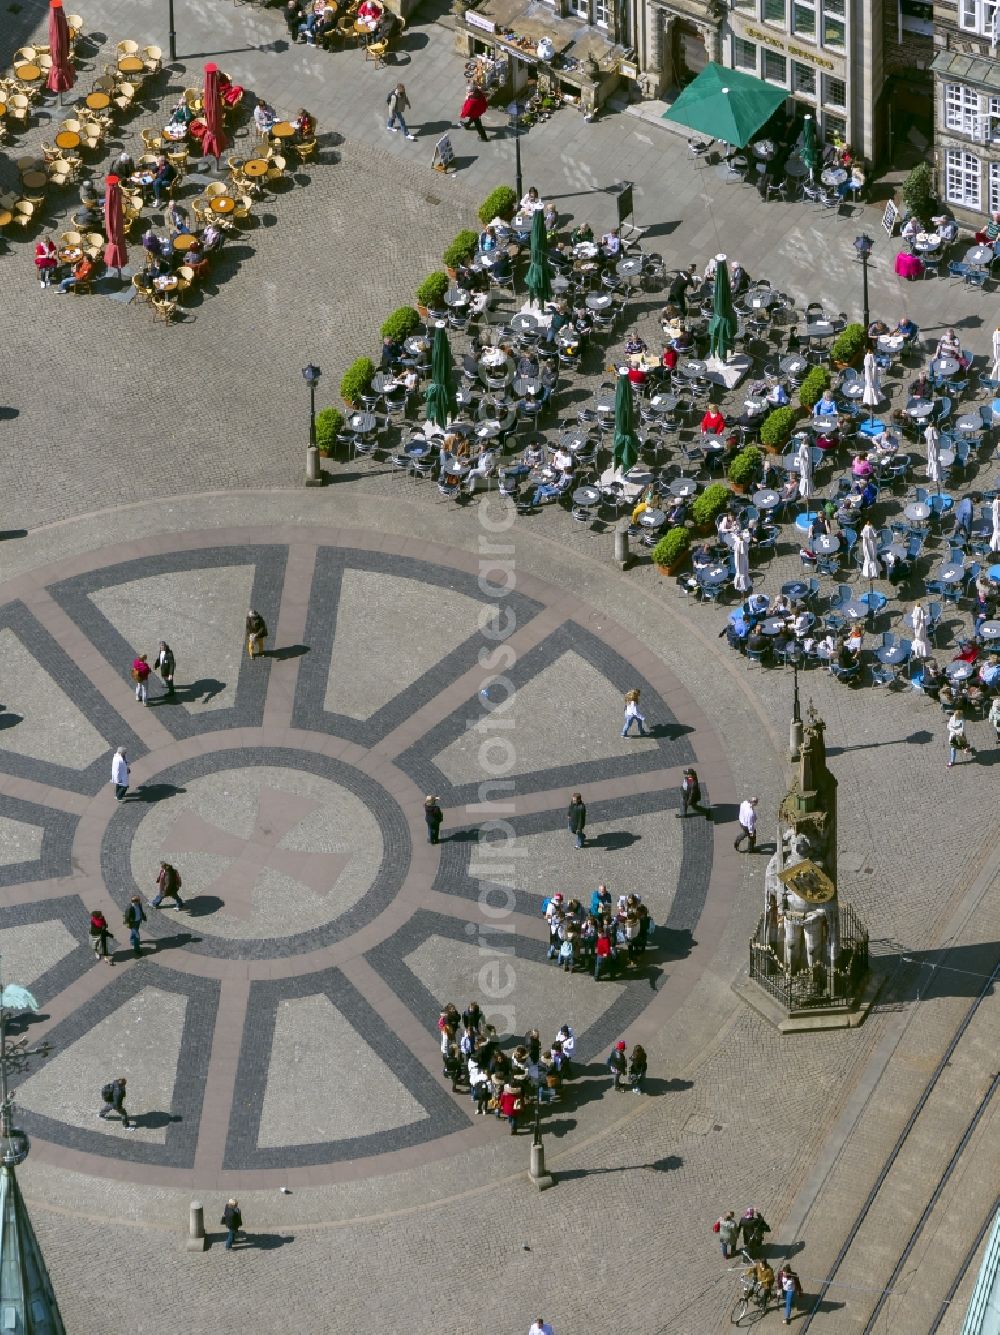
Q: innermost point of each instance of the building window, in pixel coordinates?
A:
(834, 92)
(962, 182)
(978, 16)
(804, 21)
(961, 108)
(834, 129)
(775, 67)
(745, 4)
(917, 16)
(774, 11)
(834, 7)
(744, 55)
(803, 79)
(833, 31)
(601, 13)
(994, 187)
(991, 128)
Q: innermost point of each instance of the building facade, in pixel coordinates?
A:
(966, 72)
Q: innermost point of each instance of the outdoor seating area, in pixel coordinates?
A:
(332, 25)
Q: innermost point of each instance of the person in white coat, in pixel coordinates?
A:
(120, 773)
(995, 368)
(920, 646)
(632, 714)
(957, 740)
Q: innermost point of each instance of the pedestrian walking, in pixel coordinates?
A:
(256, 634)
(135, 916)
(120, 773)
(140, 675)
(473, 111)
(748, 824)
(791, 1287)
(632, 714)
(168, 886)
(433, 816)
(728, 1230)
(753, 1226)
(232, 1218)
(113, 1094)
(618, 1065)
(957, 740)
(637, 1069)
(691, 795)
(100, 935)
(398, 102)
(576, 818)
(540, 1327)
(165, 665)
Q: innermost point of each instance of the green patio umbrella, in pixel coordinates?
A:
(440, 396)
(722, 326)
(810, 150)
(726, 105)
(539, 276)
(625, 449)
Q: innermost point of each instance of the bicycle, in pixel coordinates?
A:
(753, 1301)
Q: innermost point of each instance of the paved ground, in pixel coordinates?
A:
(293, 1045)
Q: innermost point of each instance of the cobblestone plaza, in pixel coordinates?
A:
(280, 1032)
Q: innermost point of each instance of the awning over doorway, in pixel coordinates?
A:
(725, 104)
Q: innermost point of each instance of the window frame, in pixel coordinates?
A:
(969, 176)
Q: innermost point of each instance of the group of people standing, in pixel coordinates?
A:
(605, 939)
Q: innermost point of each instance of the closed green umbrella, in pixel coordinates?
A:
(810, 151)
(722, 326)
(539, 276)
(625, 450)
(441, 404)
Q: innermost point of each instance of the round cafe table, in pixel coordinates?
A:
(27, 73)
(796, 589)
(766, 499)
(488, 428)
(919, 409)
(585, 497)
(951, 572)
(175, 132)
(959, 670)
(792, 365)
(361, 423)
(6, 217)
(585, 250)
(890, 342)
(184, 241)
(35, 180)
(855, 610)
(826, 544)
(70, 254)
(598, 301)
(979, 255)
(255, 167)
(663, 403)
(833, 176)
(917, 511)
(759, 300)
(572, 441)
(630, 268)
(98, 101)
(283, 130)
(772, 626)
(971, 422)
(165, 283)
(711, 576)
(944, 367)
(990, 630)
(417, 448)
(693, 367)
(222, 204)
(652, 518)
(524, 323)
(820, 329)
(925, 243)
(683, 487)
(130, 65)
(67, 139)
(892, 654)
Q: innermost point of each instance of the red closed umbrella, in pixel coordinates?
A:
(62, 76)
(214, 141)
(115, 253)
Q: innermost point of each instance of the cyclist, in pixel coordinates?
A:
(763, 1277)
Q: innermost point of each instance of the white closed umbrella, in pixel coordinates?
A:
(870, 567)
(995, 369)
(742, 582)
(995, 535)
(872, 394)
(921, 645)
(933, 438)
(804, 463)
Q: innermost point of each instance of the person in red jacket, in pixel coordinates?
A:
(140, 675)
(510, 1106)
(473, 110)
(713, 423)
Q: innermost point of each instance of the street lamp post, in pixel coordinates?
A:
(515, 112)
(794, 656)
(863, 245)
(170, 31)
(314, 477)
(536, 1171)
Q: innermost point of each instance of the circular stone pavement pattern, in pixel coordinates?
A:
(281, 1027)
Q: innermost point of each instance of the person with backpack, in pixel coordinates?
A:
(100, 934)
(168, 886)
(728, 1229)
(232, 1219)
(632, 714)
(134, 918)
(398, 102)
(691, 795)
(753, 1226)
(140, 675)
(791, 1287)
(618, 1065)
(165, 665)
(637, 1069)
(256, 632)
(433, 816)
(113, 1094)
(576, 819)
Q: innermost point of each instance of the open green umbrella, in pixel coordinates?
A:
(625, 449)
(726, 104)
(539, 276)
(440, 394)
(722, 326)
(810, 151)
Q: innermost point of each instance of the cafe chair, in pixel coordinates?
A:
(849, 675)
(306, 150)
(126, 48)
(376, 51)
(152, 59)
(164, 306)
(152, 139)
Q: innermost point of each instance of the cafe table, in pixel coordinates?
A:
(27, 73)
(713, 575)
(796, 589)
(944, 367)
(67, 139)
(488, 428)
(98, 101)
(990, 630)
(175, 131)
(683, 487)
(972, 423)
(525, 386)
(130, 65)
(979, 256)
(925, 243)
(833, 176)
(165, 283)
(416, 344)
(70, 254)
(760, 300)
(652, 518)
(598, 301)
(222, 204)
(524, 322)
(821, 329)
(792, 365)
(891, 343)
(585, 497)
(361, 423)
(771, 625)
(855, 610)
(892, 655)
(255, 168)
(585, 250)
(663, 403)
(766, 499)
(417, 448)
(919, 409)
(283, 130)
(692, 367)
(959, 670)
(34, 180)
(629, 268)
(951, 572)
(917, 512)
(184, 241)
(826, 544)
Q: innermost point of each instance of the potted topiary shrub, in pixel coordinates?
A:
(777, 427)
(812, 387)
(918, 192)
(706, 508)
(430, 293)
(849, 346)
(671, 551)
(744, 468)
(499, 203)
(460, 251)
(357, 380)
(329, 424)
(404, 321)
